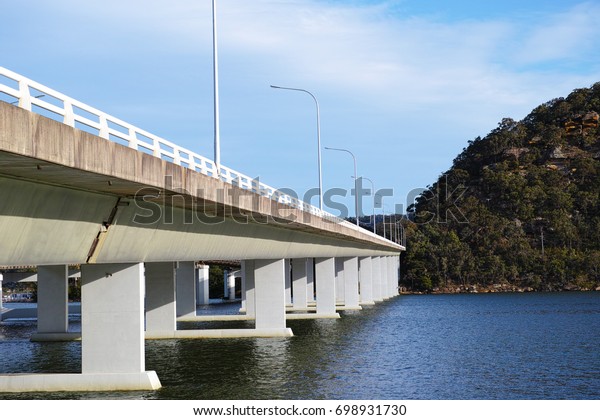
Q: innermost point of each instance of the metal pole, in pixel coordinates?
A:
(372, 192)
(355, 181)
(216, 91)
(318, 139)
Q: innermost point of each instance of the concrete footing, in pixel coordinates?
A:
(57, 382)
(221, 333)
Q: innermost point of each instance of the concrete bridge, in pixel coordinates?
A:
(136, 212)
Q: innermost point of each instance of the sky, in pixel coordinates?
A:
(403, 84)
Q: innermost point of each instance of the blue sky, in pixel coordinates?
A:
(403, 84)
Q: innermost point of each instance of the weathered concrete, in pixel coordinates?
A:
(73, 193)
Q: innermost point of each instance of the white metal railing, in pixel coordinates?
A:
(38, 98)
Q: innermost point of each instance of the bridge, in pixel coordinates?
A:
(135, 212)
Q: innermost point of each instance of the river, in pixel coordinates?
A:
(476, 346)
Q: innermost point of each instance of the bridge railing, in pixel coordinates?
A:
(35, 97)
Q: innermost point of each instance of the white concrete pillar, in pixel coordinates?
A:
(385, 277)
(288, 281)
(53, 299)
(299, 283)
(351, 283)
(185, 291)
(202, 285)
(394, 275)
(248, 287)
(376, 276)
(161, 312)
(269, 278)
(230, 281)
(112, 318)
(365, 275)
(310, 280)
(325, 282)
(340, 284)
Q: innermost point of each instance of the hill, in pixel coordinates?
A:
(518, 209)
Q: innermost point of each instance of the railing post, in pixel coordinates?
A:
(25, 96)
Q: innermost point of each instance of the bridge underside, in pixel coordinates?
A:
(49, 224)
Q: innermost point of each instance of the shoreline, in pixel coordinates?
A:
(496, 288)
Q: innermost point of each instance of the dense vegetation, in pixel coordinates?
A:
(519, 208)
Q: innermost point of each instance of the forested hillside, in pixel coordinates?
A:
(519, 208)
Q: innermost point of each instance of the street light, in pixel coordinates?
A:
(318, 139)
(355, 180)
(373, 192)
(216, 91)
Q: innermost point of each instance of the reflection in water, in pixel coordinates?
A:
(510, 346)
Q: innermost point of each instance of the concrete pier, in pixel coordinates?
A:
(365, 276)
(249, 288)
(300, 283)
(340, 284)
(112, 348)
(186, 289)
(269, 285)
(310, 280)
(53, 302)
(288, 281)
(351, 297)
(202, 285)
(161, 311)
(325, 284)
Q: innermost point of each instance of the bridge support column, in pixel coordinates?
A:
(365, 275)
(53, 304)
(160, 297)
(310, 280)
(299, 283)
(288, 281)
(376, 276)
(249, 288)
(385, 277)
(269, 282)
(186, 289)
(325, 284)
(112, 327)
(229, 279)
(393, 272)
(340, 290)
(351, 284)
(202, 283)
(112, 342)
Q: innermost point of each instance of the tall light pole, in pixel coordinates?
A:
(372, 192)
(318, 139)
(216, 90)
(355, 180)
